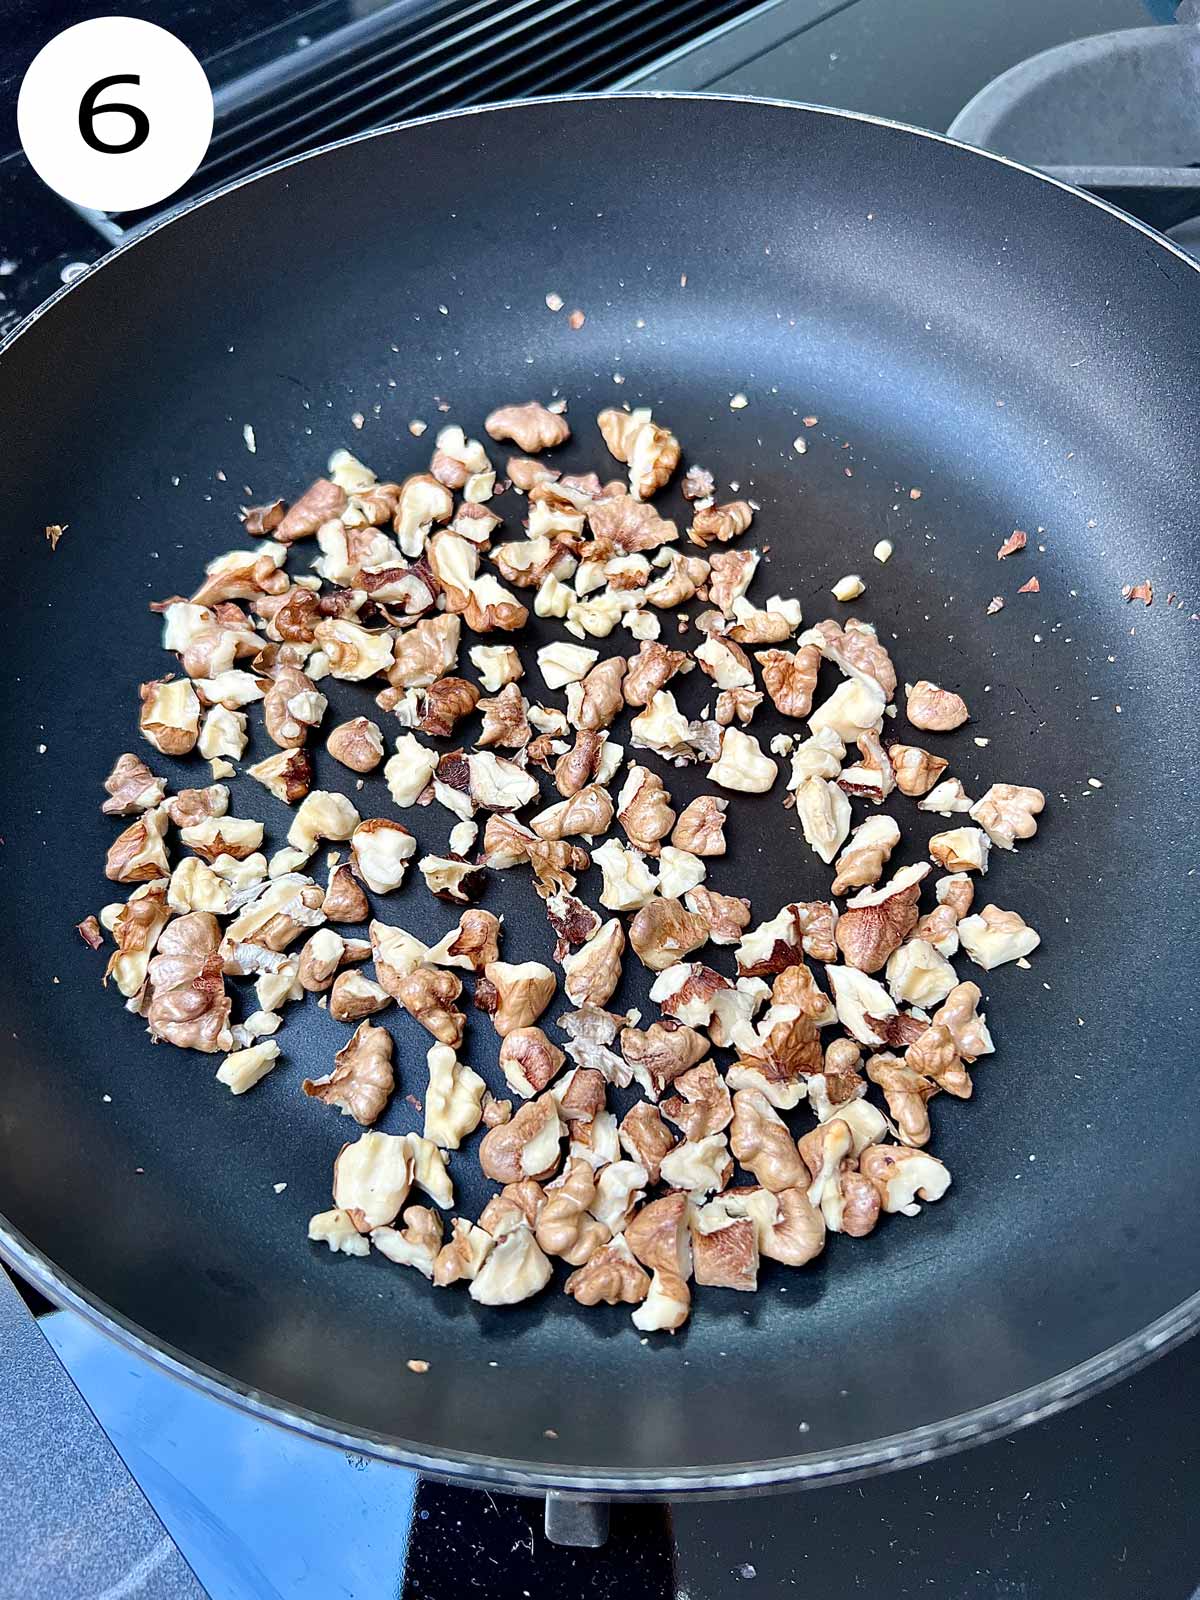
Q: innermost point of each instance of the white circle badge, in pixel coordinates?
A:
(115, 114)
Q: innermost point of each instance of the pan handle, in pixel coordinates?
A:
(571, 1520)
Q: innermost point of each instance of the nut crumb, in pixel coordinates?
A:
(1017, 540)
(357, 419)
(883, 550)
(914, 494)
(995, 604)
(416, 427)
(248, 436)
(1032, 587)
(800, 446)
(576, 320)
(810, 422)
(54, 532)
(417, 1366)
(1143, 591)
(739, 402)
(554, 302)
(279, 1187)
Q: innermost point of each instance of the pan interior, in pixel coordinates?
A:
(983, 352)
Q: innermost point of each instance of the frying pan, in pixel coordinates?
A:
(1015, 354)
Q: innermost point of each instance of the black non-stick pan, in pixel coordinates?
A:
(984, 350)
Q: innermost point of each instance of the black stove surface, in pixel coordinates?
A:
(1095, 1504)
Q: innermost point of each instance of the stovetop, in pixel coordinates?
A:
(1091, 1505)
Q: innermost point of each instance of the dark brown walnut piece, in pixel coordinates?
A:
(362, 1079)
(345, 900)
(444, 705)
(645, 1137)
(261, 520)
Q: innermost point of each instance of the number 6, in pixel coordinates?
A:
(89, 111)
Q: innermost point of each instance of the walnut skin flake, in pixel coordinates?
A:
(1015, 541)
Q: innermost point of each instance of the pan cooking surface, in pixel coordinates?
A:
(958, 328)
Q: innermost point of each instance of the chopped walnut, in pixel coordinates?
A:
(471, 946)
(460, 1259)
(644, 809)
(170, 715)
(139, 854)
(657, 1055)
(945, 798)
(517, 1203)
(611, 1275)
(663, 932)
(428, 994)
(679, 872)
(184, 1001)
(727, 916)
(527, 1146)
(595, 700)
(504, 720)
(381, 850)
(877, 921)
(372, 1178)
(992, 937)
(916, 770)
(337, 1230)
(789, 679)
(132, 787)
(907, 1093)
(760, 1142)
(425, 652)
(737, 705)
(961, 849)
(856, 651)
(901, 1175)
(918, 975)
(863, 1004)
(529, 1061)
(720, 524)
(362, 1080)
(646, 1137)
(580, 1094)
(243, 575)
(701, 826)
(854, 707)
(344, 899)
(592, 973)
(530, 426)
(682, 576)
(354, 996)
(514, 996)
(650, 451)
(514, 1270)
(320, 503)
(934, 709)
(452, 1098)
(564, 1226)
(700, 1105)
(291, 707)
(214, 837)
(322, 815)
(864, 857)
(824, 814)
(701, 1168)
(589, 813)
(742, 765)
(417, 1244)
(1007, 813)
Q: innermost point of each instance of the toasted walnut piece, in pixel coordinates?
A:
(564, 1227)
(788, 1228)
(530, 426)
(1007, 813)
(878, 921)
(939, 928)
(682, 576)
(425, 653)
(572, 921)
(322, 814)
(416, 1245)
(529, 1061)
(742, 766)
(945, 798)
(580, 1094)
(184, 1002)
(726, 663)
(724, 1247)
(760, 1141)
(773, 945)
(961, 849)
(344, 899)
(625, 523)
(700, 1168)
(956, 891)
(651, 451)
(514, 1270)
(525, 1147)
(243, 575)
(856, 651)
(592, 973)
(700, 1105)
(462, 1256)
(357, 744)
(222, 836)
(444, 705)
(737, 705)
(664, 932)
(354, 653)
(170, 715)
(727, 916)
(515, 995)
(658, 1236)
(362, 1079)
(132, 787)
(138, 855)
(863, 1004)
(701, 826)
(720, 524)
(935, 709)
(628, 883)
(611, 1276)
(993, 937)
(320, 503)
(470, 946)
(666, 1306)
(902, 1175)
(789, 679)
(372, 1178)
(396, 954)
(337, 1230)
(872, 775)
(590, 812)
(135, 928)
(491, 607)
(644, 809)
(907, 1093)
(578, 766)
(647, 1139)
(679, 872)
(354, 996)
(525, 474)
(863, 858)
(428, 995)
(595, 700)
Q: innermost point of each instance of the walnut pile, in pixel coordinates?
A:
(632, 1155)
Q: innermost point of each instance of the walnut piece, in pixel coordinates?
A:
(372, 1178)
(170, 715)
(354, 996)
(592, 973)
(1007, 812)
(727, 916)
(527, 1146)
(789, 679)
(594, 701)
(514, 1270)
(564, 1227)
(529, 1061)
(863, 859)
(916, 770)
(993, 937)
(760, 1141)
(185, 1002)
(700, 1105)
(877, 921)
(381, 850)
(664, 932)
(611, 1276)
(132, 787)
(701, 826)
(934, 709)
(644, 809)
(646, 1138)
(362, 1080)
(453, 1098)
(650, 451)
(530, 426)
(961, 849)
(650, 670)
(514, 996)
(657, 1055)
(720, 524)
(428, 995)
(901, 1175)
(742, 765)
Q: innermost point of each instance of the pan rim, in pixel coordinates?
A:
(912, 1448)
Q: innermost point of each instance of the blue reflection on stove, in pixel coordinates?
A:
(258, 1512)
